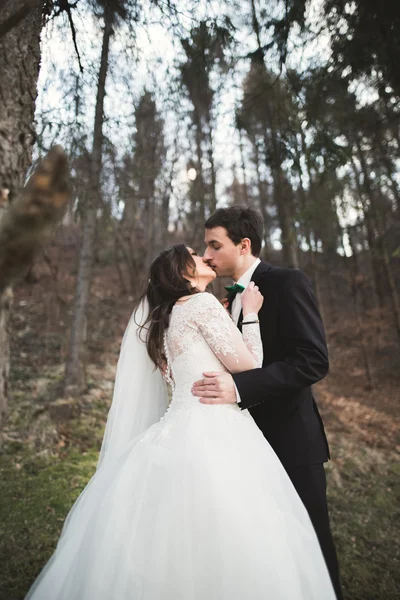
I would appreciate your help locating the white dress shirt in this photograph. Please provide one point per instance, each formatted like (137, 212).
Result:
(244, 281)
(237, 303)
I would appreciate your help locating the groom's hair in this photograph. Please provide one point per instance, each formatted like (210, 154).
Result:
(240, 222)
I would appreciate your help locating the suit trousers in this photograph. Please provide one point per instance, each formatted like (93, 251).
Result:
(310, 484)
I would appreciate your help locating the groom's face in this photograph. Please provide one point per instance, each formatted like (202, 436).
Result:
(221, 253)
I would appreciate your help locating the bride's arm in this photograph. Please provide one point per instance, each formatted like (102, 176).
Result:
(252, 337)
(236, 353)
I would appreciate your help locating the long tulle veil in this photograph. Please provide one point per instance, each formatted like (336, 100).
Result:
(140, 395)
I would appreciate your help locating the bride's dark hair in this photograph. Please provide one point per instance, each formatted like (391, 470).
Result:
(167, 283)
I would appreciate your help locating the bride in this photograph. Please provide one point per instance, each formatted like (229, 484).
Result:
(188, 502)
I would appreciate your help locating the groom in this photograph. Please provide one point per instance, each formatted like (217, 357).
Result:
(278, 395)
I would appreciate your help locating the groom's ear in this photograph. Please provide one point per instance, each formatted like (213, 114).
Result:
(245, 246)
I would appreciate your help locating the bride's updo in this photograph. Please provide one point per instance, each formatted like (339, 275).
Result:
(167, 283)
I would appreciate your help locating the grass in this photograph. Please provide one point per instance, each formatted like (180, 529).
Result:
(38, 490)
(43, 468)
(364, 505)
(35, 496)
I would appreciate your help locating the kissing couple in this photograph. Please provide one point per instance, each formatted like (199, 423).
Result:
(220, 494)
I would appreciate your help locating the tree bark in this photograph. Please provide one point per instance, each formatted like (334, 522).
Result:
(287, 234)
(262, 199)
(243, 167)
(312, 250)
(354, 276)
(6, 298)
(213, 184)
(75, 371)
(394, 301)
(282, 203)
(375, 262)
(19, 69)
(305, 200)
(199, 198)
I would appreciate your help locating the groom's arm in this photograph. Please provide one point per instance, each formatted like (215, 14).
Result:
(305, 358)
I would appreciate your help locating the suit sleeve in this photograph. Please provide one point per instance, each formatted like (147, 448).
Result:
(305, 353)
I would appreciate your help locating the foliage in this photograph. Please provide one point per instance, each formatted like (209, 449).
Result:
(365, 35)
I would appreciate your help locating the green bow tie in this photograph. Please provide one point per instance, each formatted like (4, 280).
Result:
(236, 288)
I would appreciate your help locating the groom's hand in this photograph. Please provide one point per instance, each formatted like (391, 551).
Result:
(215, 388)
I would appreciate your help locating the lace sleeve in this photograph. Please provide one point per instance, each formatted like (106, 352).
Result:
(224, 338)
(252, 337)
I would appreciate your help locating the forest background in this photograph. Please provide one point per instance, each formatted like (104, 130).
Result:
(166, 110)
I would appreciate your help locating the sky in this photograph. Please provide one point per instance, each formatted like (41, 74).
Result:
(142, 57)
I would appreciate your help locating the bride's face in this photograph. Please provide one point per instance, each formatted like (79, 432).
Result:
(203, 274)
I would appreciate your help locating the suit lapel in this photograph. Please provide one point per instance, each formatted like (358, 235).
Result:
(262, 268)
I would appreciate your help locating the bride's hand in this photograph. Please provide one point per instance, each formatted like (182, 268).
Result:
(252, 299)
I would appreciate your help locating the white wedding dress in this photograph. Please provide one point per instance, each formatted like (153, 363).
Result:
(198, 507)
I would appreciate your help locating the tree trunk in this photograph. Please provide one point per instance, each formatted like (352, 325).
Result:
(390, 176)
(199, 200)
(373, 251)
(213, 195)
(262, 200)
(165, 209)
(75, 369)
(381, 232)
(354, 276)
(382, 160)
(19, 69)
(243, 167)
(150, 219)
(311, 200)
(287, 234)
(391, 117)
(284, 211)
(361, 288)
(376, 265)
(306, 220)
(281, 199)
(5, 309)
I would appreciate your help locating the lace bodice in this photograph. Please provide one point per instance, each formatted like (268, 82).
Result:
(202, 337)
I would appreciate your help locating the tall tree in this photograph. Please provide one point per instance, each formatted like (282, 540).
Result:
(144, 213)
(334, 111)
(264, 114)
(205, 50)
(75, 370)
(266, 91)
(20, 27)
(19, 69)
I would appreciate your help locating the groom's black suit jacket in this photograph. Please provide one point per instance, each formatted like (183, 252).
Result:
(279, 395)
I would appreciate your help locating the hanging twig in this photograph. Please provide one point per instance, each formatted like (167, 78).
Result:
(65, 6)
